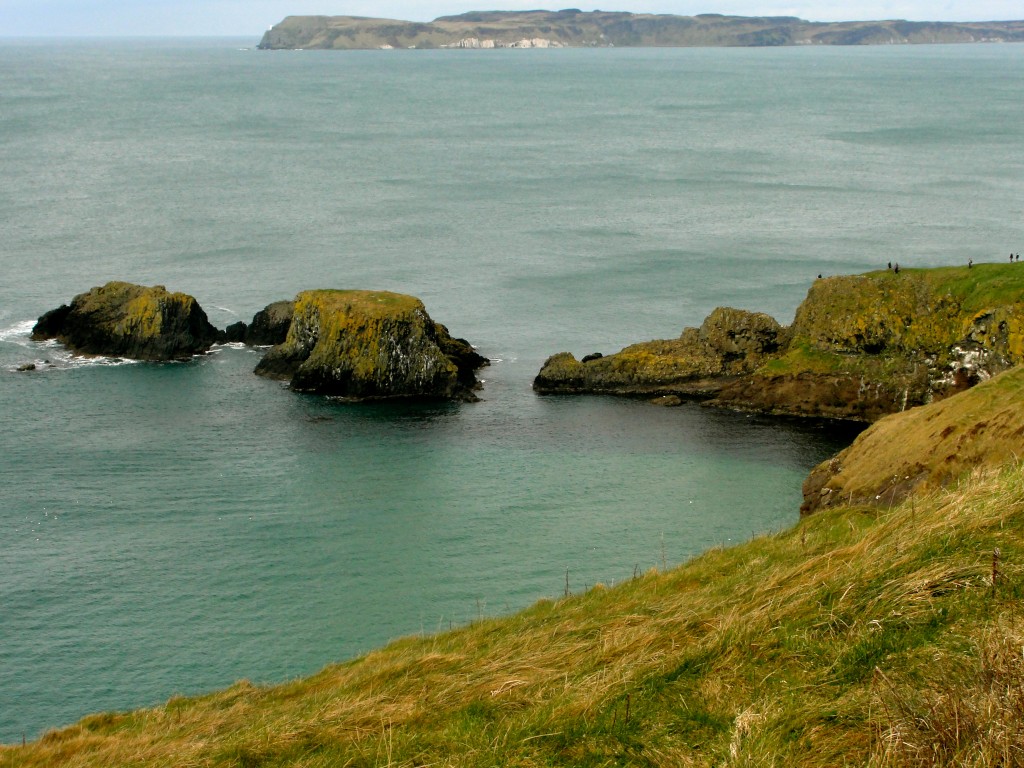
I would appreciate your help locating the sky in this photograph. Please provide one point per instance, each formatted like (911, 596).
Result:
(35, 18)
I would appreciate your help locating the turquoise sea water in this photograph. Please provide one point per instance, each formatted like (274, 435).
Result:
(173, 528)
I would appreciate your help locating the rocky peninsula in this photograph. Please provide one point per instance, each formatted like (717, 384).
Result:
(860, 347)
(603, 29)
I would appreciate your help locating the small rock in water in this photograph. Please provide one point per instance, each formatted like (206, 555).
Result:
(27, 367)
(667, 401)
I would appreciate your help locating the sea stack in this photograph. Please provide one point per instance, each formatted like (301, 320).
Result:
(371, 345)
(132, 321)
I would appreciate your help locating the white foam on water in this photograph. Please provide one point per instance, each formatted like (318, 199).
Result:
(19, 333)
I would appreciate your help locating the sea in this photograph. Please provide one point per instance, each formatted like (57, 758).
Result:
(169, 529)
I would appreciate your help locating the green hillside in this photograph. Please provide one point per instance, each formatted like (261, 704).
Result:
(867, 635)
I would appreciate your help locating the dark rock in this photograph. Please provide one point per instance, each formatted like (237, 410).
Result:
(367, 345)
(235, 333)
(125, 320)
(49, 326)
(27, 367)
(269, 326)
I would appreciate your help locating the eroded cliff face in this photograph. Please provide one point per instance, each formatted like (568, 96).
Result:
(132, 321)
(371, 345)
(860, 347)
(924, 448)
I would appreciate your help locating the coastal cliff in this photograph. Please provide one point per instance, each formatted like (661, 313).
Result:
(367, 345)
(860, 346)
(604, 29)
(925, 448)
(125, 320)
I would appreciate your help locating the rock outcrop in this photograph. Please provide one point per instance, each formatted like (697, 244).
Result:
(269, 326)
(729, 343)
(132, 321)
(860, 347)
(368, 345)
(924, 448)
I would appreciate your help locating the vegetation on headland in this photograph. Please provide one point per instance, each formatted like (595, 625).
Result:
(873, 634)
(860, 346)
(574, 28)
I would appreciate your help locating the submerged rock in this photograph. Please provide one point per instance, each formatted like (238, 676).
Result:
(133, 321)
(368, 345)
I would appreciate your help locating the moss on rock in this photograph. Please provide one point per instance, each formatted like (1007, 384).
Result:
(125, 320)
(371, 345)
(860, 346)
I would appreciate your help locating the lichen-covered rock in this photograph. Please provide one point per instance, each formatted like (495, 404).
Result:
(860, 347)
(730, 342)
(367, 345)
(133, 321)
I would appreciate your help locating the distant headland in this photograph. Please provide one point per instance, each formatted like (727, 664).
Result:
(604, 29)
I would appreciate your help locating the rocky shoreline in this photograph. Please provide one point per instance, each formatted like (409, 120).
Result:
(860, 347)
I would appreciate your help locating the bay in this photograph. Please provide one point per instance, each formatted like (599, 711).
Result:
(173, 528)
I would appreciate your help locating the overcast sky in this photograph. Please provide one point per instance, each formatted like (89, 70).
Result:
(251, 17)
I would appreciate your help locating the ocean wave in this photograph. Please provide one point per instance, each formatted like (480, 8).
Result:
(228, 345)
(18, 333)
(60, 359)
(50, 354)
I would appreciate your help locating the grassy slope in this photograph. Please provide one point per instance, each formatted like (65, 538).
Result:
(860, 636)
(937, 443)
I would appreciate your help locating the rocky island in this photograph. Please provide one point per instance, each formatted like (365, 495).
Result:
(357, 345)
(371, 345)
(860, 347)
(132, 321)
(577, 29)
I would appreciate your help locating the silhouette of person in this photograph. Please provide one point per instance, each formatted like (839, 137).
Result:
(896, 269)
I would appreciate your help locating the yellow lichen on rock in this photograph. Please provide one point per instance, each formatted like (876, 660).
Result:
(127, 320)
(370, 345)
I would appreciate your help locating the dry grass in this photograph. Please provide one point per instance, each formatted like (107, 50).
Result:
(860, 636)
